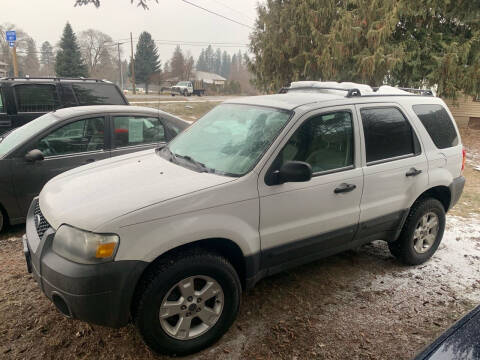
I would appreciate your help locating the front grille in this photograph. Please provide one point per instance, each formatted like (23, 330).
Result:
(41, 224)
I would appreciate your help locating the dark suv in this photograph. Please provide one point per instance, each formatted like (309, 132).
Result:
(24, 99)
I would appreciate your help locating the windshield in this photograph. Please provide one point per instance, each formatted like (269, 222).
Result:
(183, 83)
(230, 139)
(16, 137)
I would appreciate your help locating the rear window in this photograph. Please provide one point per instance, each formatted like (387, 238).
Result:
(36, 97)
(438, 124)
(97, 94)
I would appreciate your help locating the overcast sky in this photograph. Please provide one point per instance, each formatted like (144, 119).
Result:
(171, 20)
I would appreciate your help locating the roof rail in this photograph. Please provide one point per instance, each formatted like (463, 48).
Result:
(52, 78)
(421, 91)
(350, 92)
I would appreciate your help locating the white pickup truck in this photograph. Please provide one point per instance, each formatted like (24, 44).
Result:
(187, 88)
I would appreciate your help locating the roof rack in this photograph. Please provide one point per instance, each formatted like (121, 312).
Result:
(421, 91)
(350, 92)
(52, 78)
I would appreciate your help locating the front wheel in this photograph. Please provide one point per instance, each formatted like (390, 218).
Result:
(422, 233)
(187, 303)
(3, 221)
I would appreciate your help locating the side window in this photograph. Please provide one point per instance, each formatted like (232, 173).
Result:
(438, 124)
(97, 94)
(387, 134)
(79, 136)
(137, 130)
(324, 141)
(2, 108)
(36, 97)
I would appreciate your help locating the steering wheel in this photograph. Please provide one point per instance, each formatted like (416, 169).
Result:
(51, 150)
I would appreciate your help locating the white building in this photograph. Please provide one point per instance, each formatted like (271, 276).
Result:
(210, 78)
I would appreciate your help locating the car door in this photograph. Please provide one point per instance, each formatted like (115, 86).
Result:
(79, 142)
(395, 169)
(305, 220)
(131, 133)
(4, 120)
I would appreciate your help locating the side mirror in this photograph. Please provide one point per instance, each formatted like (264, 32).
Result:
(34, 155)
(291, 171)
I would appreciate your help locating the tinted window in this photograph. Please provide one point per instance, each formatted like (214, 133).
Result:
(387, 134)
(68, 98)
(36, 98)
(97, 94)
(2, 109)
(79, 136)
(137, 130)
(438, 124)
(325, 142)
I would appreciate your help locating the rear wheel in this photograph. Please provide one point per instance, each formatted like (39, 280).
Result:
(422, 233)
(3, 220)
(187, 303)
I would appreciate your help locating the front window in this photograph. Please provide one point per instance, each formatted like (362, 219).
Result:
(230, 139)
(183, 83)
(19, 135)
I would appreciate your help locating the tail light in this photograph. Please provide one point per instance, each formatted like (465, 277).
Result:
(464, 158)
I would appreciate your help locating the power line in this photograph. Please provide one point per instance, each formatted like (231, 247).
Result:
(237, 11)
(217, 14)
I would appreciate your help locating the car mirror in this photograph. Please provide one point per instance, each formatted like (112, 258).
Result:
(294, 171)
(34, 155)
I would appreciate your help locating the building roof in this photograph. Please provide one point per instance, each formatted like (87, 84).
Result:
(207, 77)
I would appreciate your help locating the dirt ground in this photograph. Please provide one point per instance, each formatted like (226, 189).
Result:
(360, 304)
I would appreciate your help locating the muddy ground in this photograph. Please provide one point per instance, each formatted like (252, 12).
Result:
(360, 304)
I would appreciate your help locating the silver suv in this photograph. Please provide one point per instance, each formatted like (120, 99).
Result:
(171, 237)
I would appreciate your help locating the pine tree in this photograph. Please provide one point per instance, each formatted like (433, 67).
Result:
(201, 62)
(226, 63)
(217, 61)
(177, 64)
(69, 62)
(146, 59)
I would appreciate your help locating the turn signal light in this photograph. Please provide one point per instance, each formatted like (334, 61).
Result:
(105, 250)
(464, 158)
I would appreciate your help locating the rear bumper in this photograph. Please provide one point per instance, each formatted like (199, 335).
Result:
(100, 293)
(456, 189)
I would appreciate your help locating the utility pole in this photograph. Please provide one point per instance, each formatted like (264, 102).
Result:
(14, 58)
(120, 65)
(132, 64)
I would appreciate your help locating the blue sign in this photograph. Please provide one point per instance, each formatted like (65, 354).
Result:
(11, 35)
(11, 44)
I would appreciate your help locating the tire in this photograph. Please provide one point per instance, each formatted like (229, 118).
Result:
(162, 283)
(418, 239)
(3, 220)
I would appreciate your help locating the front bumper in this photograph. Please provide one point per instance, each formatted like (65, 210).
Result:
(100, 293)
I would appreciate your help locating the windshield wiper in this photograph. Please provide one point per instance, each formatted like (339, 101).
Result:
(202, 167)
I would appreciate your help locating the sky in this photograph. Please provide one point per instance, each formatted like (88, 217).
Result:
(170, 21)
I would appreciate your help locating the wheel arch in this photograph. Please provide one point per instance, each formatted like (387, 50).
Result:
(441, 193)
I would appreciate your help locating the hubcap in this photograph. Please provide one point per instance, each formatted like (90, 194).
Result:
(191, 307)
(425, 232)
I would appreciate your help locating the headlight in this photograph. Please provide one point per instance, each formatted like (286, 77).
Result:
(84, 247)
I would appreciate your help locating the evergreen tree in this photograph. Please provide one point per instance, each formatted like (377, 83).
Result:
(177, 64)
(31, 64)
(201, 62)
(146, 59)
(46, 56)
(69, 62)
(217, 62)
(226, 63)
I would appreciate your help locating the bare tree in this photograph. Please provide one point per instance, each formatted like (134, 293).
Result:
(142, 3)
(98, 50)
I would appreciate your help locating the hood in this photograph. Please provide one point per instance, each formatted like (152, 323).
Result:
(92, 195)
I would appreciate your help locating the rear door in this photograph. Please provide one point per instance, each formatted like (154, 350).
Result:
(4, 121)
(395, 169)
(131, 133)
(77, 143)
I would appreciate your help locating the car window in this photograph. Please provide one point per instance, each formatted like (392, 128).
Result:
(324, 141)
(137, 130)
(2, 109)
(76, 137)
(387, 134)
(97, 94)
(36, 97)
(438, 124)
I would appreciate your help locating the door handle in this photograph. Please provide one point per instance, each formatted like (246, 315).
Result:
(88, 161)
(343, 188)
(413, 172)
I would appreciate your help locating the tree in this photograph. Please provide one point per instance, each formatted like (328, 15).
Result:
(146, 59)
(98, 50)
(189, 63)
(47, 59)
(6, 52)
(226, 64)
(177, 64)
(30, 63)
(422, 43)
(142, 3)
(69, 62)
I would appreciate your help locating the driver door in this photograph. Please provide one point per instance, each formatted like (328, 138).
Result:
(77, 143)
(301, 221)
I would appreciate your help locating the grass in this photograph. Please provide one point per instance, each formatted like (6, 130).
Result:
(186, 111)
